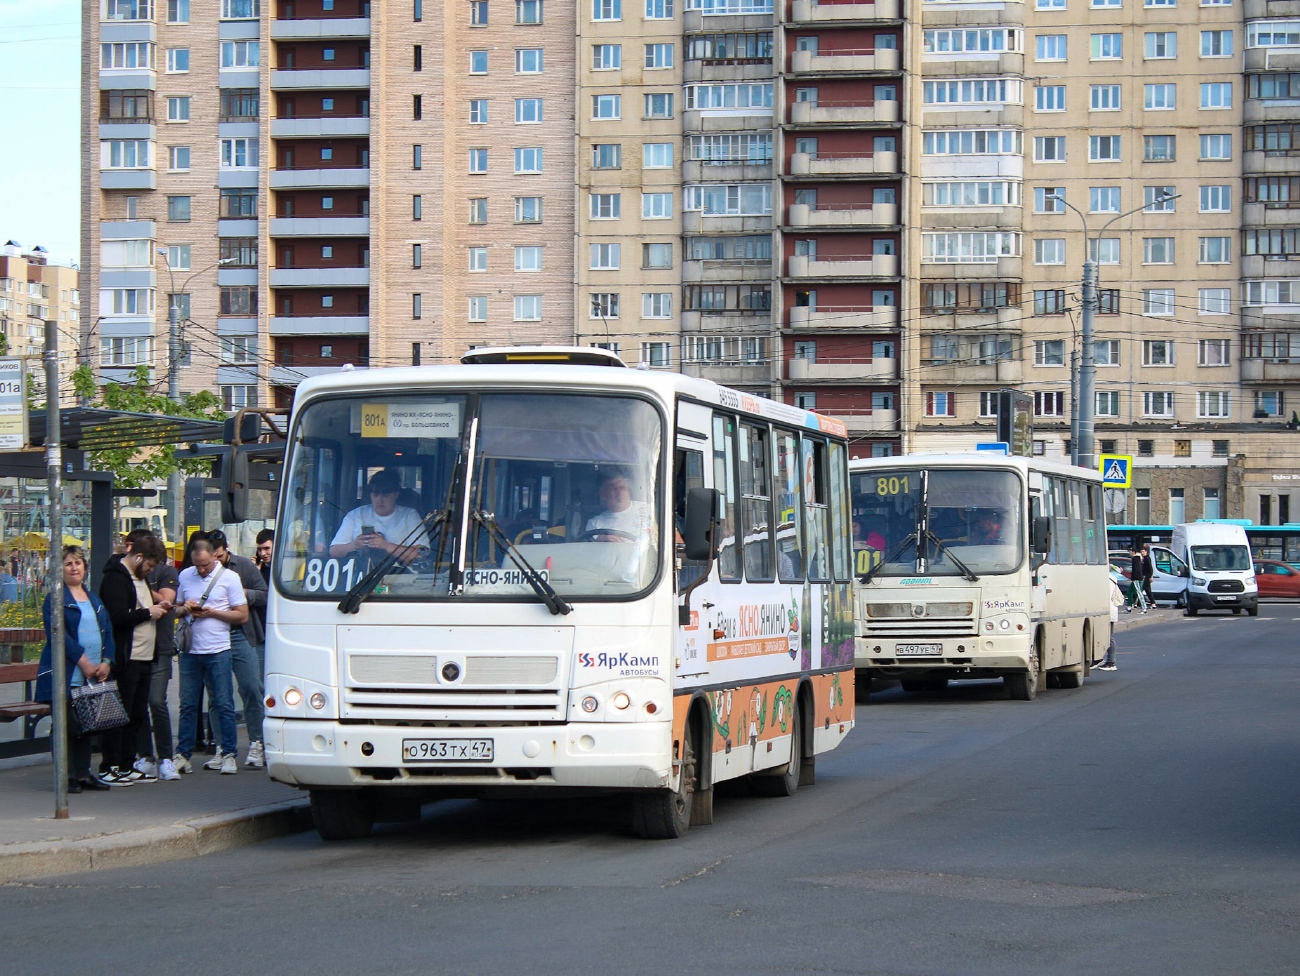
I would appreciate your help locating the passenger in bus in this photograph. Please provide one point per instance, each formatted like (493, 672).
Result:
(383, 524)
(864, 538)
(626, 519)
(987, 530)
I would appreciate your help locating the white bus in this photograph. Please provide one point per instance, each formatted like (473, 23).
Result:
(978, 566)
(542, 571)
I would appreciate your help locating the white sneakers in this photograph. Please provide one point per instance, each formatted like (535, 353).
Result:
(146, 768)
(229, 764)
(167, 770)
(181, 765)
(215, 762)
(256, 755)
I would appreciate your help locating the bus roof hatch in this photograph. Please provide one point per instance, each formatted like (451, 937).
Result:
(542, 355)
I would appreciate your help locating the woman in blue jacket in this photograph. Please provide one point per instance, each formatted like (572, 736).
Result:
(88, 647)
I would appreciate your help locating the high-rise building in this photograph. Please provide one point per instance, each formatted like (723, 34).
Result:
(32, 292)
(879, 210)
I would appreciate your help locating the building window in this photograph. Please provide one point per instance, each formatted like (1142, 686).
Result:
(1049, 149)
(178, 11)
(1049, 403)
(607, 155)
(805, 401)
(606, 57)
(1219, 449)
(941, 404)
(656, 305)
(1104, 148)
(178, 257)
(417, 256)
(238, 299)
(238, 203)
(417, 157)
(1216, 94)
(1104, 250)
(1108, 304)
(528, 160)
(1049, 352)
(178, 158)
(239, 153)
(241, 252)
(1157, 403)
(1105, 98)
(1216, 44)
(238, 350)
(657, 155)
(656, 355)
(657, 256)
(478, 259)
(528, 12)
(1107, 403)
(1049, 250)
(1217, 146)
(1050, 47)
(528, 258)
(238, 397)
(478, 62)
(478, 13)
(240, 9)
(1107, 47)
(126, 351)
(1157, 352)
(659, 105)
(1160, 45)
(528, 111)
(1105, 352)
(1268, 403)
(478, 210)
(178, 108)
(477, 308)
(478, 161)
(1213, 404)
(1215, 250)
(240, 54)
(605, 257)
(658, 56)
(656, 206)
(417, 107)
(604, 305)
(417, 305)
(606, 206)
(478, 111)
(529, 61)
(1215, 301)
(1049, 199)
(1050, 301)
(1210, 503)
(1159, 97)
(417, 207)
(658, 9)
(528, 210)
(1103, 199)
(606, 106)
(178, 60)
(1177, 506)
(178, 209)
(1158, 149)
(528, 308)
(129, 55)
(1157, 301)
(606, 9)
(1157, 250)
(967, 248)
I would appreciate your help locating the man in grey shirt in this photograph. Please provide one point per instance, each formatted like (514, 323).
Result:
(246, 647)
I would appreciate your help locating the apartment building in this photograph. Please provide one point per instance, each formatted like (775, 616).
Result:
(878, 210)
(32, 292)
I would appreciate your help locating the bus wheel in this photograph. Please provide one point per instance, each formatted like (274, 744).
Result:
(861, 686)
(1023, 685)
(342, 814)
(786, 782)
(1074, 679)
(666, 814)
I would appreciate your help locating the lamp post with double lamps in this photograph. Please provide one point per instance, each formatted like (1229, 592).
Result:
(1086, 408)
(174, 370)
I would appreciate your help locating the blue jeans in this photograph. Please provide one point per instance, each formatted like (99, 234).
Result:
(246, 664)
(214, 671)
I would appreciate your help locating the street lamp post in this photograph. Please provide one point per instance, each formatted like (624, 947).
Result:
(174, 372)
(1082, 453)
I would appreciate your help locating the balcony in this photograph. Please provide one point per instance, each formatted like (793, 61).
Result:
(811, 12)
(843, 113)
(128, 179)
(320, 325)
(287, 179)
(1271, 317)
(1257, 162)
(1270, 110)
(1272, 59)
(847, 62)
(293, 375)
(1264, 371)
(950, 65)
(1002, 268)
(755, 322)
(843, 216)
(284, 79)
(973, 167)
(837, 318)
(320, 277)
(843, 163)
(1008, 318)
(1259, 9)
(731, 374)
(1008, 217)
(803, 371)
(695, 222)
(870, 422)
(843, 266)
(320, 226)
(732, 17)
(728, 70)
(1279, 214)
(1259, 266)
(320, 28)
(737, 120)
(940, 371)
(319, 128)
(757, 269)
(725, 171)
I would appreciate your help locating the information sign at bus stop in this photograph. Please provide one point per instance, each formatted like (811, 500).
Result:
(13, 405)
(1116, 470)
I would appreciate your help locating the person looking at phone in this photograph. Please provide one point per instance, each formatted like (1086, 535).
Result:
(383, 524)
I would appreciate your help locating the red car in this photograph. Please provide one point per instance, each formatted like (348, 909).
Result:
(1277, 578)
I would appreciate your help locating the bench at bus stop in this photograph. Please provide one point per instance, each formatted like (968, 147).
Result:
(27, 711)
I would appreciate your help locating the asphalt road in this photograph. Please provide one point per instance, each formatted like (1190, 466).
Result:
(1146, 823)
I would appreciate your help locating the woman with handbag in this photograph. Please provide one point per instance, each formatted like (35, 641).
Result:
(88, 647)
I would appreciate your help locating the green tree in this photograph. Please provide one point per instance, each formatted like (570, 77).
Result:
(136, 467)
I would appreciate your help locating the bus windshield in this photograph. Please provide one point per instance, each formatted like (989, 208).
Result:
(451, 493)
(1216, 559)
(975, 516)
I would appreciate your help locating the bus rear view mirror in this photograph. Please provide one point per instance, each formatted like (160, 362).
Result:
(698, 535)
(234, 487)
(1041, 542)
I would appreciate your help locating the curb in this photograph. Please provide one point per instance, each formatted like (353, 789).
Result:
(154, 845)
(1128, 621)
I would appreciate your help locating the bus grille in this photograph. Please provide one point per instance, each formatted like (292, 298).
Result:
(929, 619)
(492, 687)
(1225, 586)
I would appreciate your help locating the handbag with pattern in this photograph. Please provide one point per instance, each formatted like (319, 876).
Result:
(97, 708)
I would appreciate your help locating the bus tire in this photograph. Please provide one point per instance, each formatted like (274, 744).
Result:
(861, 686)
(342, 814)
(1074, 679)
(1023, 685)
(668, 814)
(786, 782)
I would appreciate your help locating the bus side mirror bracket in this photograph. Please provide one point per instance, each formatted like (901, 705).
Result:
(699, 540)
(234, 477)
(1041, 538)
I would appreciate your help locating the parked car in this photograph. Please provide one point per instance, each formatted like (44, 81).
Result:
(1168, 580)
(1276, 578)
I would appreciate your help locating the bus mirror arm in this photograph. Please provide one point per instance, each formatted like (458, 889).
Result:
(1041, 539)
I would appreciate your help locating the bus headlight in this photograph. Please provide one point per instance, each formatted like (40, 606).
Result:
(988, 626)
(1005, 624)
(317, 701)
(620, 701)
(590, 703)
(293, 697)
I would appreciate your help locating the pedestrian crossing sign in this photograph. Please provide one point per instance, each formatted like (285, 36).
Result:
(1116, 470)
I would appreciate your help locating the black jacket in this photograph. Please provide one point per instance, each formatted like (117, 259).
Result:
(117, 591)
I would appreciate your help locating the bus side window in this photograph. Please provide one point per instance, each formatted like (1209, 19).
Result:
(1060, 522)
(1078, 554)
(1094, 526)
(789, 508)
(816, 505)
(841, 531)
(688, 473)
(756, 502)
(724, 480)
(1049, 511)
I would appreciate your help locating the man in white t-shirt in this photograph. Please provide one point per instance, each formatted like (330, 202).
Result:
(628, 520)
(213, 598)
(383, 524)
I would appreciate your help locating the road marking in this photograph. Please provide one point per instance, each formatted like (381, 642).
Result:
(1007, 891)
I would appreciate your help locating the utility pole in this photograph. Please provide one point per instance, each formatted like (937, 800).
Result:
(1087, 369)
(54, 573)
(1074, 405)
(174, 394)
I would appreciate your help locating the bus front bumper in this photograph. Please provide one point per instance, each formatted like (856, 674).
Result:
(310, 753)
(967, 654)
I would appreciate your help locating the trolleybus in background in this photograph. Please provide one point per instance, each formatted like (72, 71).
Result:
(541, 571)
(978, 567)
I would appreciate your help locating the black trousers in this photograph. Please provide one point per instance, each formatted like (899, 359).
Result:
(133, 679)
(79, 748)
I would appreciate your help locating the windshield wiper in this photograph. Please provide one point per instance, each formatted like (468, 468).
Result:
(352, 600)
(545, 592)
(888, 557)
(945, 551)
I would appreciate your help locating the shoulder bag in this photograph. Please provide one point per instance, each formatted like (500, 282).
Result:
(96, 708)
(185, 626)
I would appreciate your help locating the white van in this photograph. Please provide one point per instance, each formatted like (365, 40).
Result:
(1221, 573)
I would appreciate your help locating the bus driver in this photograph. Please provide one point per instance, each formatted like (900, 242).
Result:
(627, 520)
(383, 524)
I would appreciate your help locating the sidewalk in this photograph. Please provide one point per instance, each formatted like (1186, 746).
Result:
(145, 823)
(1156, 615)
